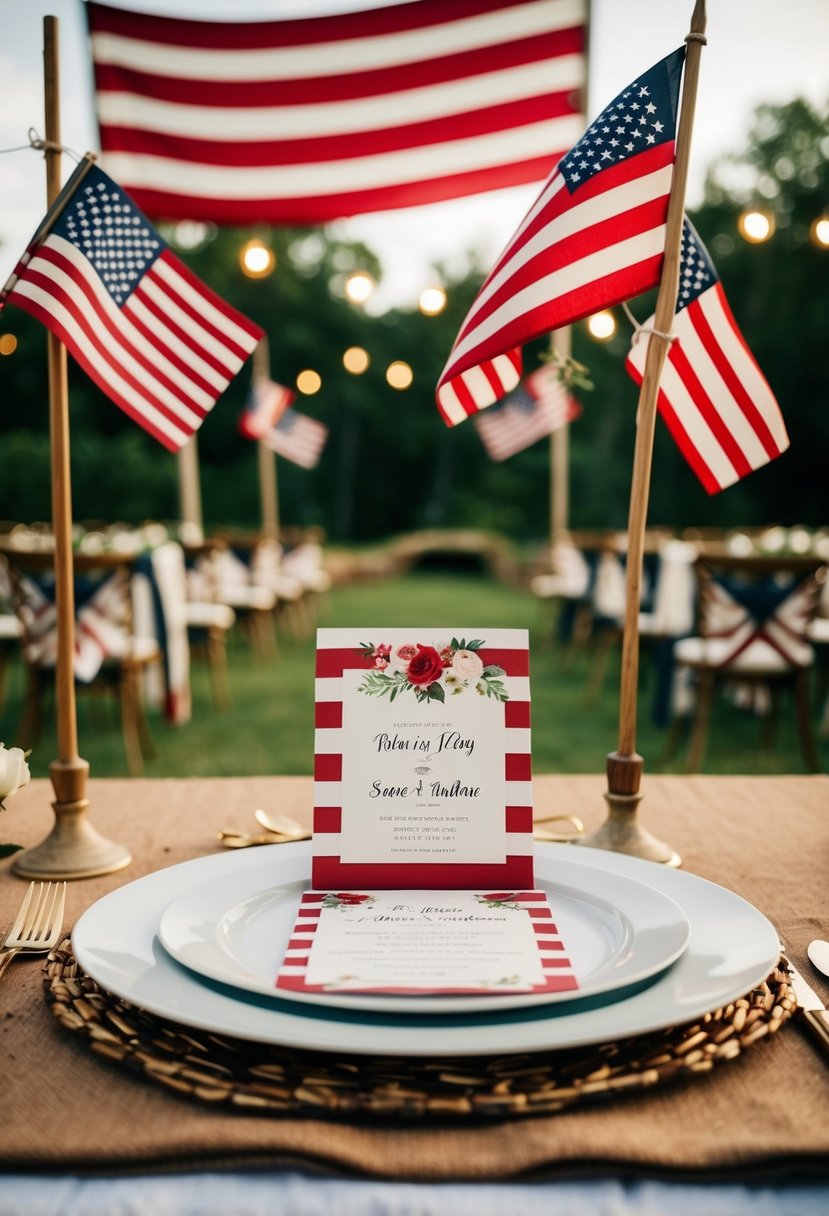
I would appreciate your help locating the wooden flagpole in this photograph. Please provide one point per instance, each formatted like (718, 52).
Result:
(622, 832)
(560, 455)
(73, 849)
(268, 488)
(189, 488)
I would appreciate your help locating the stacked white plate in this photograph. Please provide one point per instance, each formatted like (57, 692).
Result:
(201, 943)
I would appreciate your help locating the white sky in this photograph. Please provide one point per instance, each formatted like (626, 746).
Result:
(758, 50)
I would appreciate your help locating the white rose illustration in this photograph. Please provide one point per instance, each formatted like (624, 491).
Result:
(467, 665)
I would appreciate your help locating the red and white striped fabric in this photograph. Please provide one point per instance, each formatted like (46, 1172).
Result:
(159, 342)
(712, 395)
(100, 627)
(343, 803)
(557, 969)
(594, 237)
(308, 120)
(739, 629)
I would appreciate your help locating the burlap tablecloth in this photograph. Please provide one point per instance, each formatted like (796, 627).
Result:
(764, 1115)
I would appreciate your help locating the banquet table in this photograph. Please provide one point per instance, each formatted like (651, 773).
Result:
(78, 1133)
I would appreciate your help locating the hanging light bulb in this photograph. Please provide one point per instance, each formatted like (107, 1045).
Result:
(356, 360)
(359, 286)
(432, 301)
(309, 382)
(756, 225)
(601, 326)
(257, 259)
(399, 375)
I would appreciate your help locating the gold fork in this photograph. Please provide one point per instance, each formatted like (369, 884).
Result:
(39, 921)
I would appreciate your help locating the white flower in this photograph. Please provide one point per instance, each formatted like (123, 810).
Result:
(14, 771)
(467, 664)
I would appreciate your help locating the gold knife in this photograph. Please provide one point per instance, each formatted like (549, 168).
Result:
(810, 1007)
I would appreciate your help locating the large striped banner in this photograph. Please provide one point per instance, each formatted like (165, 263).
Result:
(307, 120)
(422, 769)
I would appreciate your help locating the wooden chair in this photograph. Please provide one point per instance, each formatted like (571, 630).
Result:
(109, 659)
(753, 632)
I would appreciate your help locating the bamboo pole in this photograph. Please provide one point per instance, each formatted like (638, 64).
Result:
(268, 487)
(560, 456)
(189, 488)
(73, 849)
(624, 766)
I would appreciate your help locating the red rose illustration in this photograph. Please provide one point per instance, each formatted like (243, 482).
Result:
(501, 895)
(425, 667)
(346, 898)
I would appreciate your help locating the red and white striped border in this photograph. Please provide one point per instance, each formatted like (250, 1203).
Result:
(559, 975)
(339, 650)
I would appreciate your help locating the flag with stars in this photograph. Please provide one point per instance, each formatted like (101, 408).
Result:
(266, 404)
(712, 395)
(539, 406)
(152, 336)
(595, 236)
(298, 438)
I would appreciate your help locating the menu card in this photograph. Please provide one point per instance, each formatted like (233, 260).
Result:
(422, 772)
(426, 942)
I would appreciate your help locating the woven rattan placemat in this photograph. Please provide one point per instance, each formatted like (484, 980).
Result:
(236, 1073)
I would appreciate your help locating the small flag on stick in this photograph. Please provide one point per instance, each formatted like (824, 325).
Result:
(159, 342)
(594, 237)
(530, 412)
(266, 404)
(713, 396)
(298, 438)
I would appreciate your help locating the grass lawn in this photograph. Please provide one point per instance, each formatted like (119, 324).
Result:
(270, 726)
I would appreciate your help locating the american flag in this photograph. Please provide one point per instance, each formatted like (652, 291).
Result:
(530, 412)
(152, 336)
(595, 236)
(268, 401)
(298, 438)
(307, 120)
(712, 395)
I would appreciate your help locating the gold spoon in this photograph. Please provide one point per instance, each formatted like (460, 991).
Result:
(559, 837)
(241, 840)
(281, 825)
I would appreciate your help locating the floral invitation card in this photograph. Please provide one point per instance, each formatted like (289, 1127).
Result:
(426, 942)
(422, 760)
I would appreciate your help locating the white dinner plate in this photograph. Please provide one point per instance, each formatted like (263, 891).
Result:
(616, 932)
(732, 948)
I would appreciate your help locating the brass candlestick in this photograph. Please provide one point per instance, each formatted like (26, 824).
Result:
(73, 848)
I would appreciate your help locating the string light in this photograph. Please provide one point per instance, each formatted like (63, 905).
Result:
(601, 326)
(356, 360)
(257, 259)
(309, 382)
(756, 225)
(432, 301)
(8, 344)
(399, 375)
(359, 286)
(819, 232)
